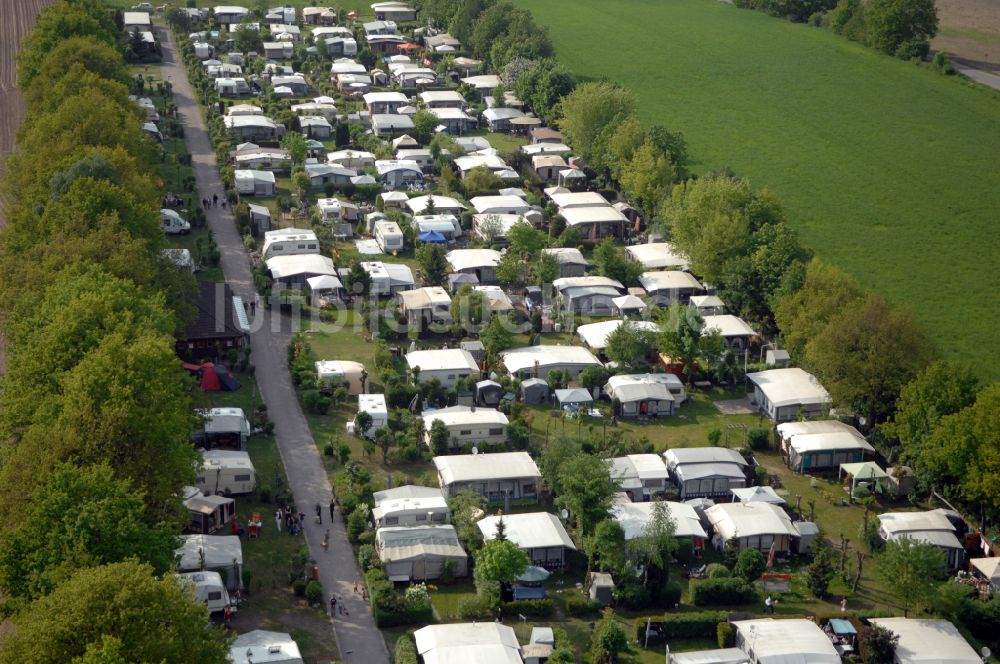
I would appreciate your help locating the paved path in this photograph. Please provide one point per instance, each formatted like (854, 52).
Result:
(978, 75)
(357, 637)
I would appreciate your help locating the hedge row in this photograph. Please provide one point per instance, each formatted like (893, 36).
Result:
(391, 608)
(406, 650)
(731, 591)
(688, 625)
(541, 608)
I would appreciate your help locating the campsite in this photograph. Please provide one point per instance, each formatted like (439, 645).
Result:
(416, 333)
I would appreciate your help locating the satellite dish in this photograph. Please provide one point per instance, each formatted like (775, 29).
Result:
(985, 652)
(565, 514)
(475, 450)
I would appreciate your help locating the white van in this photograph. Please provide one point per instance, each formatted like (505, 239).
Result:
(208, 588)
(173, 223)
(226, 472)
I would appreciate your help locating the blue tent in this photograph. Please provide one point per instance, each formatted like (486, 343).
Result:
(432, 237)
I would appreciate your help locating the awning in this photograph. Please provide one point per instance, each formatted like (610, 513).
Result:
(432, 237)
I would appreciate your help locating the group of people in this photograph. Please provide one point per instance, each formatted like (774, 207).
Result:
(213, 202)
(294, 523)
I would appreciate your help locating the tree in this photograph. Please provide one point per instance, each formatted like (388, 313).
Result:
(646, 178)
(607, 548)
(630, 344)
(154, 619)
(590, 114)
(466, 510)
(586, 490)
(385, 439)
(440, 438)
(74, 57)
(750, 564)
(58, 23)
(593, 378)
(543, 86)
(911, 568)
(490, 228)
(682, 338)
(480, 180)
(362, 423)
(358, 279)
(671, 143)
(81, 517)
(469, 308)
(497, 337)
(821, 570)
(544, 270)
(498, 564)
(877, 644)
(825, 292)
(433, 265)
(554, 455)
(424, 124)
(657, 545)
(610, 261)
(609, 639)
(901, 27)
(943, 388)
(867, 353)
(295, 143)
(246, 39)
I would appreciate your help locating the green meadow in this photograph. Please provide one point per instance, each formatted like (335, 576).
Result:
(889, 170)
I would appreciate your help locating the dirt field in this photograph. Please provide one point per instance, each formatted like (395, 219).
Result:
(16, 19)
(970, 31)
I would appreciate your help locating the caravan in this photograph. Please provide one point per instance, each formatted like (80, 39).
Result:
(209, 588)
(173, 223)
(225, 472)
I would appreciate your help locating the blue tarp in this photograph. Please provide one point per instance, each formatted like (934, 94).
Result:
(841, 626)
(432, 237)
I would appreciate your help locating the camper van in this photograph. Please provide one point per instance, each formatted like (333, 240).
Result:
(388, 236)
(208, 588)
(226, 472)
(173, 223)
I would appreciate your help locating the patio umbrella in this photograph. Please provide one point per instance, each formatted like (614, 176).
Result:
(533, 574)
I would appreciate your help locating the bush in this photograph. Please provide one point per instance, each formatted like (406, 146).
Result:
(264, 493)
(580, 606)
(725, 636)
(541, 608)
(759, 439)
(391, 608)
(631, 594)
(717, 571)
(685, 552)
(722, 592)
(314, 592)
(357, 522)
(475, 608)
(368, 558)
(299, 587)
(750, 564)
(670, 594)
(328, 450)
(406, 650)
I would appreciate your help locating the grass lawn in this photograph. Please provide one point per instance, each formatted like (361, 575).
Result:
(887, 169)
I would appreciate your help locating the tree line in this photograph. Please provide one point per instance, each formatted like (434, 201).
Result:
(96, 412)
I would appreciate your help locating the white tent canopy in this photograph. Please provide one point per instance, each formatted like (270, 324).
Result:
(928, 642)
(758, 494)
(795, 641)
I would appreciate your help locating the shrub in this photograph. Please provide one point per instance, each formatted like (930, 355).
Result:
(691, 625)
(725, 636)
(314, 592)
(406, 650)
(580, 606)
(541, 608)
(391, 608)
(632, 594)
(759, 439)
(368, 558)
(750, 564)
(685, 552)
(722, 592)
(717, 571)
(264, 493)
(328, 450)
(299, 587)
(475, 607)
(357, 522)
(670, 594)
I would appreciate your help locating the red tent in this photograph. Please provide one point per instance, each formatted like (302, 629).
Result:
(209, 379)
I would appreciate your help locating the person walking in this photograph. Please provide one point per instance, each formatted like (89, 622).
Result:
(769, 605)
(215, 200)
(319, 513)
(278, 519)
(333, 505)
(843, 604)
(333, 606)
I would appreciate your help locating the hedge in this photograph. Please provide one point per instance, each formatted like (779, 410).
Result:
(579, 606)
(474, 608)
(687, 625)
(391, 608)
(726, 635)
(730, 591)
(406, 650)
(541, 608)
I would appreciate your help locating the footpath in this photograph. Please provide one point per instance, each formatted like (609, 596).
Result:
(357, 637)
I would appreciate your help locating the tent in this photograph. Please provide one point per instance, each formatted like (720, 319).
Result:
(574, 396)
(432, 237)
(759, 494)
(534, 391)
(989, 568)
(868, 471)
(628, 303)
(214, 377)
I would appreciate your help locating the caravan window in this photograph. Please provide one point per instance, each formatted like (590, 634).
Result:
(465, 432)
(392, 520)
(214, 595)
(497, 431)
(421, 517)
(241, 478)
